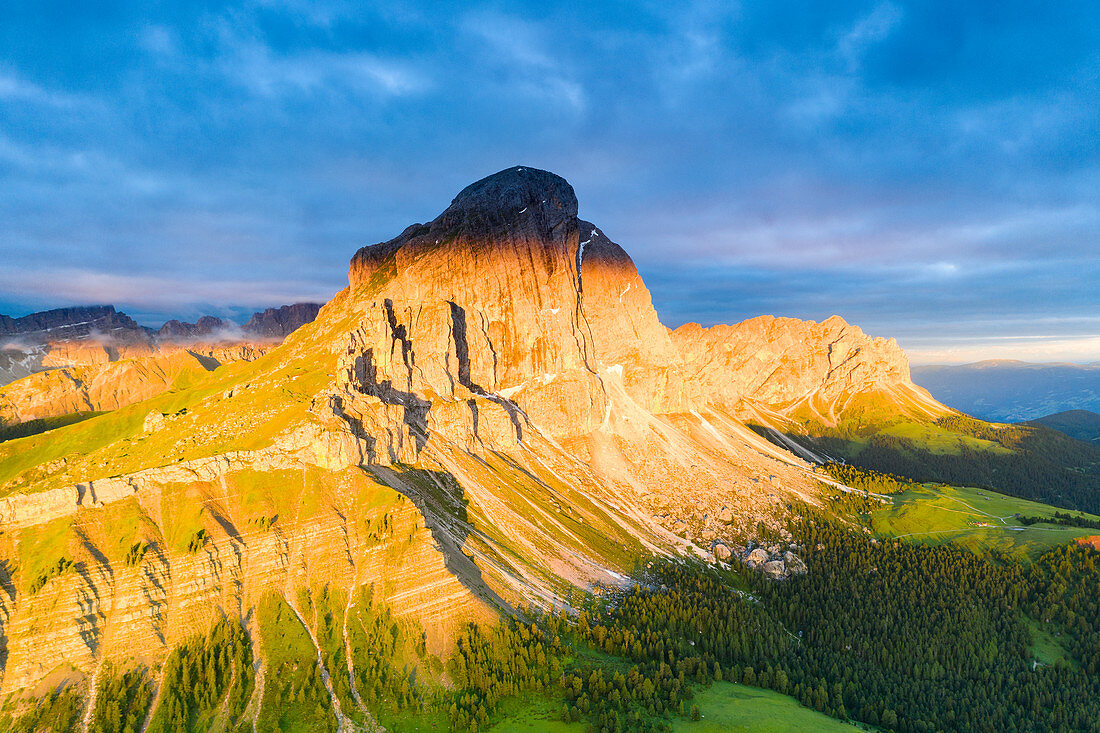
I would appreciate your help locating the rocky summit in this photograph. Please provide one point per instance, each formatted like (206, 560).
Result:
(490, 416)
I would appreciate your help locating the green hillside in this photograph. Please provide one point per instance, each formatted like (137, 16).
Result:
(1028, 461)
(1078, 424)
(979, 519)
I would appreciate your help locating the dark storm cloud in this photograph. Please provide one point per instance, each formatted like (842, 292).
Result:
(928, 170)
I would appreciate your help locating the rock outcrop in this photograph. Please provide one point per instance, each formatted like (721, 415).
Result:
(201, 329)
(774, 564)
(490, 415)
(278, 323)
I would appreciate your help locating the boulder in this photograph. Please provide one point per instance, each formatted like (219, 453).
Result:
(154, 421)
(775, 569)
(794, 563)
(757, 558)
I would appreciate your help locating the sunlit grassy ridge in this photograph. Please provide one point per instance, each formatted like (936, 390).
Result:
(239, 406)
(937, 440)
(1031, 462)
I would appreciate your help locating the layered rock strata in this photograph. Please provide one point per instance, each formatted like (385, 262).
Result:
(490, 415)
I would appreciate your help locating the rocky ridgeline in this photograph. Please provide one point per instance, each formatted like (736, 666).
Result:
(77, 359)
(63, 324)
(278, 323)
(787, 364)
(273, 324)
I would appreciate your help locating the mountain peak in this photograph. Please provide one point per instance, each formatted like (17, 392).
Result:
(518, 199)
(516, 205)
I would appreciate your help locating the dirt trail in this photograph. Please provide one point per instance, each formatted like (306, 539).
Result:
(93, 693)
(156, 697)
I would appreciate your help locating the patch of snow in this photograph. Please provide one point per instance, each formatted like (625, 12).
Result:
(580, 253)
(69, 325)
(507, 392)
(616, 369)
(628, 286)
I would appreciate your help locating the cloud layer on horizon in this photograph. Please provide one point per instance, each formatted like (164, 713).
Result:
(927, 170)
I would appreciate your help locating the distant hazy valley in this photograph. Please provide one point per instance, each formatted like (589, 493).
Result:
(1013, 391)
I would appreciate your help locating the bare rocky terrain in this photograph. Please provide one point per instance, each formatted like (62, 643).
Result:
(490, 415)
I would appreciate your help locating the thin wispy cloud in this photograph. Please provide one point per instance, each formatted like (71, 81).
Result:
(150, 292)
(868, 30)
(516, 52)
(14, 89)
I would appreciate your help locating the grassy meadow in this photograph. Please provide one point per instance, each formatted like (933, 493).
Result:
(976, 518)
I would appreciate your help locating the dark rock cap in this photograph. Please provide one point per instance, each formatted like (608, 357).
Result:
(517, 204)
(514, 196)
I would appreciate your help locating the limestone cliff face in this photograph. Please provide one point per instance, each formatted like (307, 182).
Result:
(490, 415)
(507, 299)
(105, 607)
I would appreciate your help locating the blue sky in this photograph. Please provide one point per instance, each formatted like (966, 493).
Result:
(928, 170)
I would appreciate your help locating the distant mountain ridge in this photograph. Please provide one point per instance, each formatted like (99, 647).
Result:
(97, 358)
(271, 323)
(81, 322)
(281, 322)
(1013, 391)
(69, 323)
